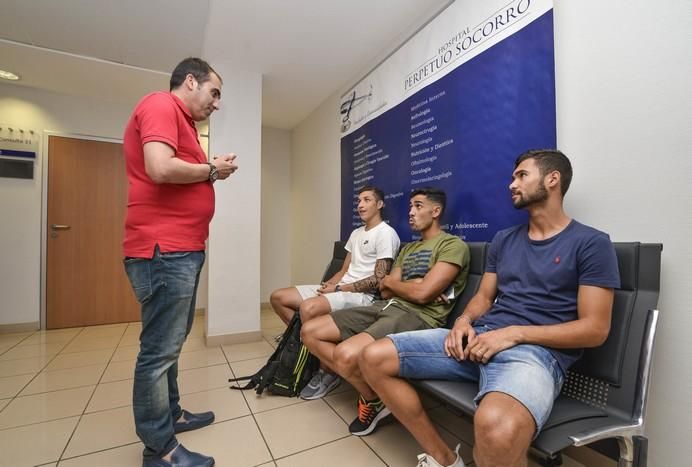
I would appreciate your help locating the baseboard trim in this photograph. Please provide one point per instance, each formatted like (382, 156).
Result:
(236, 338)
(19, 327)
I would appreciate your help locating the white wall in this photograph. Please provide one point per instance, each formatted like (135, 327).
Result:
(234, 233)
(624, 113)
(315, 192)
(20, 200)
(276, 211)
(624, 116)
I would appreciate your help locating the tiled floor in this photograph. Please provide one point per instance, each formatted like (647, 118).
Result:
(65, 399)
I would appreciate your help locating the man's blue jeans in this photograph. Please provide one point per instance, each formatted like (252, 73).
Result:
(166, 287)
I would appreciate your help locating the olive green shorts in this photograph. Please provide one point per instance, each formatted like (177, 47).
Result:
(378, 320)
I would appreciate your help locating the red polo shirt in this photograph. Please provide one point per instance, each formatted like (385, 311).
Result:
(176, 217)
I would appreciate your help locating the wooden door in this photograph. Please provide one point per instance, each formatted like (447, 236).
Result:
(87, 196)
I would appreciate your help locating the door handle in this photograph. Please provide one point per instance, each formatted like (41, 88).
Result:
(59, 227)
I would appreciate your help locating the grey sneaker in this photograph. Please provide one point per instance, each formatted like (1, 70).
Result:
(320, 385)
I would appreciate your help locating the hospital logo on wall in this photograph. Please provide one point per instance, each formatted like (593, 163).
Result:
(350, 102)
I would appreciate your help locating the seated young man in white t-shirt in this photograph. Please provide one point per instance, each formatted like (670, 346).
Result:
(371, 249)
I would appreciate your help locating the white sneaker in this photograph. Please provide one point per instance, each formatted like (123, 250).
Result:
(426, 460)
(320, 385)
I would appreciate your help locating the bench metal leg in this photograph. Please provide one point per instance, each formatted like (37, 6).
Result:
(633, 451)
(552, 461)
(641, 451)
(626, 447)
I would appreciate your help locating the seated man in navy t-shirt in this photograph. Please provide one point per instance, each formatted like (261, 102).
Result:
(547, 293)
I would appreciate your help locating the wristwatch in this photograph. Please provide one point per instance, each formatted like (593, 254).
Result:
(213, 172)
(337, 288)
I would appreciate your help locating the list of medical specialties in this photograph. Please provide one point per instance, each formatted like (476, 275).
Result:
(401, 152)
(460, 134)
(428, 141)
(367, 156)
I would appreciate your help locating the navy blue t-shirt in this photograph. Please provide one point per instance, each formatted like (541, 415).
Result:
(538, 280)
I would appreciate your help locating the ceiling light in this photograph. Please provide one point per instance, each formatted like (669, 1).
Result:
(8, 75)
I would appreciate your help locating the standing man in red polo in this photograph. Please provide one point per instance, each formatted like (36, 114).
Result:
(170, 204)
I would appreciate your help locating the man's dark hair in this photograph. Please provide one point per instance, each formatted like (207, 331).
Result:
(435, 195)
(379, 194)
(549, 160)
(194, 66)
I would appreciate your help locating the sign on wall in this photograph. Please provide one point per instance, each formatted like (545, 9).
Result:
(18, 151)
(452, 109)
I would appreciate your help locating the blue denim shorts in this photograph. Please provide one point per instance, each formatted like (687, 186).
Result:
(528, 373)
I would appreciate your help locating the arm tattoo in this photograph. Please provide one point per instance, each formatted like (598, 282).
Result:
(371, 284)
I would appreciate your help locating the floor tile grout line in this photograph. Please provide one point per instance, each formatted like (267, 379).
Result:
(182, 394)
(35, 356)
(103, 410)
(63, 389)
(298, 401)
(326, 401)
(259, 429)
(275, 459)
(60, 389)
(40, 371)
(105, 348)
(136, 442)
(16, 395)
(254, 419)
(127, 379)
(110, 359)
(100, 382)
(38, 423)
(78, 366)
(97, 451)
(112, 447)
(359, 437)
(87, 403)
(18, 342)
(251, 412)
(326, 443)
(74, 430)
(444, 428)
(373, 449)
(27, 337)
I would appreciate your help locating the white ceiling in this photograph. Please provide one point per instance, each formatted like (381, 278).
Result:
(121, 49)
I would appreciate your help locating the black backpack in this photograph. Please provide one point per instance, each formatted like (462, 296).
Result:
(288, 370)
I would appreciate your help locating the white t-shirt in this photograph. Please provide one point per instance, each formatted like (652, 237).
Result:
(366, 247)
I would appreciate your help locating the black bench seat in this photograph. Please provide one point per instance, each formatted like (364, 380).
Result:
(604, 395)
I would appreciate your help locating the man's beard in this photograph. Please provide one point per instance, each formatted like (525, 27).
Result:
(538, 196)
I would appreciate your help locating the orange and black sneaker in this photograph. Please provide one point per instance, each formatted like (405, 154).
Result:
(369, 415)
